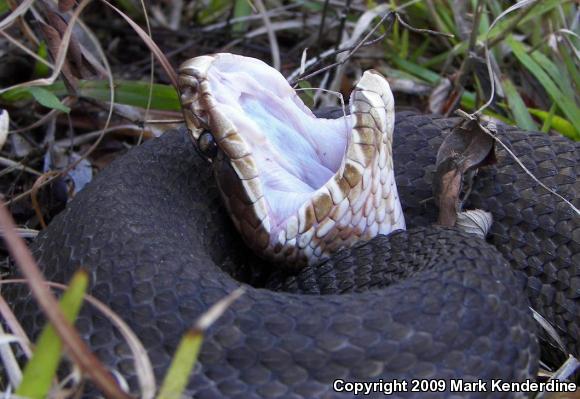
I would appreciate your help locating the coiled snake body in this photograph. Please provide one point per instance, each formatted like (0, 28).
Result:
(423, 304)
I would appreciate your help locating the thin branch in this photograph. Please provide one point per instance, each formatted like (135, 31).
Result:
(508, 29)
(467, 63)
(388, 15)
(419, 30)
(26, 49)
(362, 43)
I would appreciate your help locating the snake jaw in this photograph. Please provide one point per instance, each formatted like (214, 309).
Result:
(336, 187)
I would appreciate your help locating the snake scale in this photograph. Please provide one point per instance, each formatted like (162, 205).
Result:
(427, 303)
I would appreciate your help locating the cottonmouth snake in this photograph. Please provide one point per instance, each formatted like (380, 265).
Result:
(426, 303)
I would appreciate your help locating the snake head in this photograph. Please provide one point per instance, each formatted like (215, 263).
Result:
(296, 186)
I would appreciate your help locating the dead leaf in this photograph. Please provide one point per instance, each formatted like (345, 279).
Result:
(53, 40)
(476, 221)
(465, 149)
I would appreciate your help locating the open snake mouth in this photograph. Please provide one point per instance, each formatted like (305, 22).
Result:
(297, 187)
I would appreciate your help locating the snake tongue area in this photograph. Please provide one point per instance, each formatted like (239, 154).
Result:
(297, 187)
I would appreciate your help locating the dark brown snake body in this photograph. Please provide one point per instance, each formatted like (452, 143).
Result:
(428, 303)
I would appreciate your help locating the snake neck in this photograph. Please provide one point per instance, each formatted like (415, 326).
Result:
(298, 188)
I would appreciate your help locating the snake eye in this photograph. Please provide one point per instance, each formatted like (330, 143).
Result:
(207, 145)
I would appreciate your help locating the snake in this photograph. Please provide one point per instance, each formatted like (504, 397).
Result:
(327, 221)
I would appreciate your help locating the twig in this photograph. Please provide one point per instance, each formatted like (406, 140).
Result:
(14, 326)
(419, 30)
(15, 14)
(466, 65)
(388, 15)
(271, 35)
(9, 362)
(76, 347)
(13, 165)
(68, 101)
(502, 35)
(362, 43)
(26, 49)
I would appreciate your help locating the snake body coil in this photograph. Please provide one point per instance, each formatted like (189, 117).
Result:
(424, 304)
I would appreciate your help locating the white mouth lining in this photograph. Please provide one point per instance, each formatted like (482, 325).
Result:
(295, 152)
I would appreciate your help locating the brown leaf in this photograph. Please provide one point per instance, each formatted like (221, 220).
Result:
(53, 40)
(77, 61)
(65, 5)
(465, 149)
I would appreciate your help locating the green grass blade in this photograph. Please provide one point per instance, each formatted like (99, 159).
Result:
(416, 70)
(242, 8)
(185, 357)
(164, 97)
(307, 93)
(420, 50)
(214, 9)
(127, 92)
(557, 123)
(570, 64)
(568, 107)
(562, 80)
(547, 125)
(41, 70)
(404, 50)
(47, 99)
(517, 107)
(40, 370)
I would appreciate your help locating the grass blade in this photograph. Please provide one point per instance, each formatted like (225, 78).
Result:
(47, 99)
(242, 8)
(181, 365)
(556, 122)
(518, 108)
(415, 69)
(568, 107)
(561, 79)
(186, 355)
(127, 92)
(40, 370)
